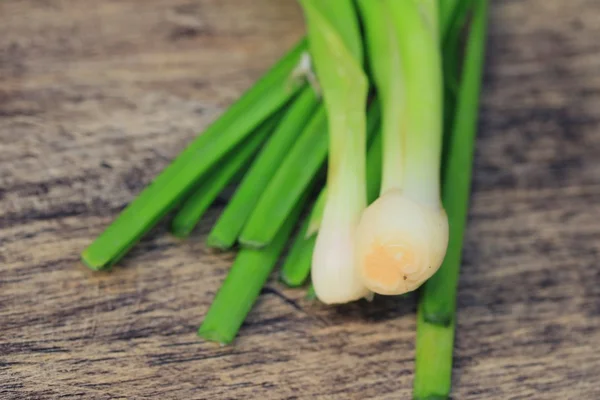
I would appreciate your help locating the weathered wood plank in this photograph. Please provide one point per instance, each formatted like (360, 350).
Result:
(97, 97)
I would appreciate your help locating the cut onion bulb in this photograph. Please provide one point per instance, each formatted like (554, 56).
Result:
(400, 243)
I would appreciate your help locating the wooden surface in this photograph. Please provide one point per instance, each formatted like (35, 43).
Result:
(97, 96)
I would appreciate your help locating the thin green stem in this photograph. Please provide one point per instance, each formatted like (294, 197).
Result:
(447, 8)
(196, 205)
(294, 175)
(247, 195)
(296, 267)
(433, 360)
(177, 181)
(452, 43)
(437, 308)
(243, 284)
(452, 56)
(374, 164)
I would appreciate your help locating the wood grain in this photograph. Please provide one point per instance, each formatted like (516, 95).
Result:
(97, 96)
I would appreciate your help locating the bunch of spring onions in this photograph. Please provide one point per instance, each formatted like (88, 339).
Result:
(382, 99)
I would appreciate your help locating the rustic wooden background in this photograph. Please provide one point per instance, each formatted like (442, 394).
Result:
(97, 96)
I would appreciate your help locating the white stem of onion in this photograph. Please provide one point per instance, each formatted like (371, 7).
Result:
(336, 53)
(402, 237)
(334, 275)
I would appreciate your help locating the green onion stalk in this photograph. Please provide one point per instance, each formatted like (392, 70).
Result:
(437, 307)
(373, 174)
(243, 284)
(295, 174)
(402, 236)
(336, 50)
(296, 268)
(174, 184)
(238, 211)
(196, 205)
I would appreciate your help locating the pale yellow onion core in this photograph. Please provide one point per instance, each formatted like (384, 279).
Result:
(400, 243)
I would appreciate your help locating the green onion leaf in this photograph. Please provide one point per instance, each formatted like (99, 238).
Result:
(437, 307)
(196, 205)
(242, 204)
(243, 284)
(167, 190)
(294, 175)
(296, 267)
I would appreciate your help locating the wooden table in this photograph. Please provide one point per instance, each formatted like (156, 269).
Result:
(97, 96)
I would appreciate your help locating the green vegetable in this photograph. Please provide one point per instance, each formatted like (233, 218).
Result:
(296, 268)
(242, 204)
(420, 59)
(196, 205)
(402, 237)
(374, 167)
(430, 11)
(452, 56)
(373, 122)
(452, 43)
(433, 360)
(447, 8)
(242, 286)
(437, 308)
(268, 95)
(336, 49)
(293, 176)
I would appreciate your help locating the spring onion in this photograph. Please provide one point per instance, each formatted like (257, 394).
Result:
(402, 236)
(230, 224)
(294, 175)
(437, 306)
(336, 48)
(452, 43)
(194, 207)
(373, 122)
(242, 285)
(379, 223)
(447, 9)
(296, 267)
(268, 95)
